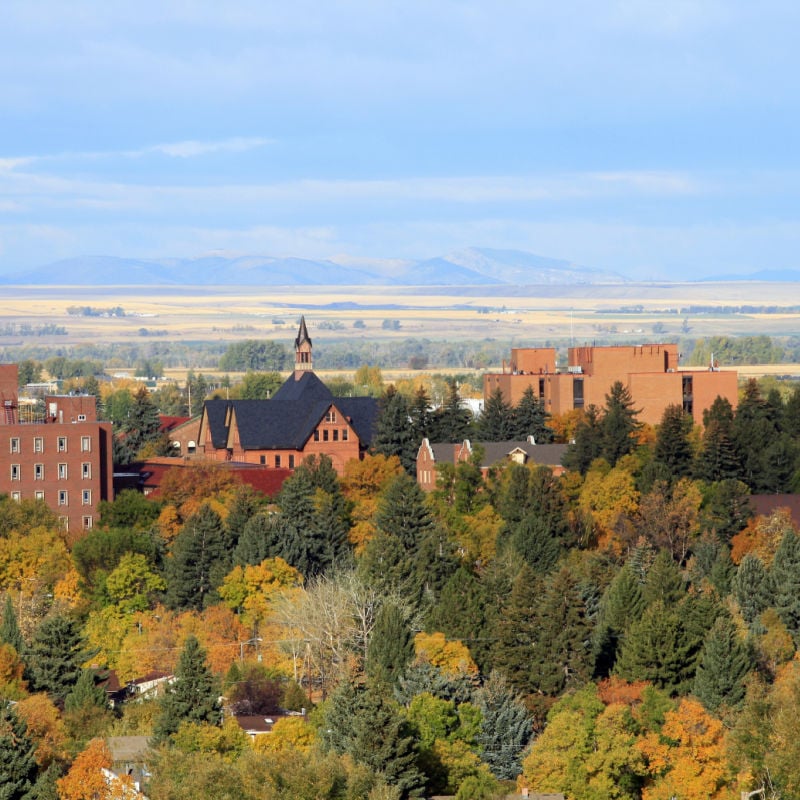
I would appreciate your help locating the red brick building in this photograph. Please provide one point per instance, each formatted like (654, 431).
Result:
(650, 372)
(301, 419)
(62, 456)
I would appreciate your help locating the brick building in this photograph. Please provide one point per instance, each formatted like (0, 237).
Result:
(61, 455)
(302, 418)
(650, 372)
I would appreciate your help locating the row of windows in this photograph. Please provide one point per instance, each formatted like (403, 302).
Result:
(332, 436)
(15, 444)
(278, 460)
(38, 471)
(87, 523)
(63, 497)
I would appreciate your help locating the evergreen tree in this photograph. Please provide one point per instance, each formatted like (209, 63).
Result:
(9, 628)
(421, 413)
(199, 562)
(56, 654)
(139, 428)
(781, 460)
(664, 581)
(394, 434)
(86, 693)
(726, 508)
(530, 419)
(192, 697)
(724, 664)
(391, 646)
(246, 504)
(513, 498)
(673, 447)
(258, 539)
(752, 424)
(402, 512)
(506, 727)
(618, 426)
(533, 540)
(752, 587)
(587, 444)
(18, 766)
(621, 605)
(791, 414)
(452, 420)
(496, 423)
(785, 576)
(718, 459)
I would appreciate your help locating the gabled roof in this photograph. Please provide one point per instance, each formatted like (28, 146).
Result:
(306, 387)
(495, 452)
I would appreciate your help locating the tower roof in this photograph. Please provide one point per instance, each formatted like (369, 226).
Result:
(302, 334)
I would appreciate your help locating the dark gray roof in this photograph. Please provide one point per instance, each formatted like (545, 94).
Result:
(287, 420)
(494, 452)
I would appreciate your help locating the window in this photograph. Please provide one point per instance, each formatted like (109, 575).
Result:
(291, 461)
(38, 444)
(577, 392)
(62, 444)
(15, 473)
(62, 497)
(15, 444)
(86, 497)
(330, 416)
(38, 472)
(64, 523)
(316, 436)
(16, 496)
(277, 461)
(38, 495)
(336, 435)
(62, 472)
(325, 435)
(87, 523)
(81, 417)
(262, 459)
(86, 470)
(345, 435)
(86, 444)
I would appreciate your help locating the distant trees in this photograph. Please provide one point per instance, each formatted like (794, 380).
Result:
(256, 355)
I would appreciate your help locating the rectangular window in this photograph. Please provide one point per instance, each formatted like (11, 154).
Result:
(62, 472)
(330, 416)
(81, 417)
(15, 444)
(325, 435)
(262, 459)
(345, 435)
(316, 436)
(86, 444)
(62, 444)
(38, 444)
(277, 461)
(38, 472)
(64, 523)
(291, 462)
(16, 496)
(87, 523)
(86, 470)
(335, 435)
(86, 497)
(62, 497)
(38, 495)
(15, 472)
(577, 392)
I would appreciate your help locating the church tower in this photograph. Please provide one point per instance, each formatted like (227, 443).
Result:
(302, 351)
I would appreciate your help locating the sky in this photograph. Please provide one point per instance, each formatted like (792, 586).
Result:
(658, 140)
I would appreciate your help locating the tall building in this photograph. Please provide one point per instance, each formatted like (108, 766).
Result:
(61, 455)
(302, 418)
(650, 372)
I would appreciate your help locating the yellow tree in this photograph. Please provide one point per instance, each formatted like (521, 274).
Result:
(45, 727)
(687, 757)
(288, 733)
(86, 779)
(450, 657)
(608, 495)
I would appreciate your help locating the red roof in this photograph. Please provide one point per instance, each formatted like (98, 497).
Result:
(167, 423)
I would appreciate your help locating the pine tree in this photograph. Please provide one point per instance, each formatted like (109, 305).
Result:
(673, 447)
(452, 420)
(513, 498)
(506, 727)
(752, 587)
(791, 413)
(192, 697)
(533, 539)
(394, 435)
(530, 419)
(86, 693)
(718, 459)
(56, 655)
(664, 581)
(246, 504)
(259, 539)
(621, 605)
(618, 426)
(495, 424)
(402, 512)
(724, 664)
(587, 444)
(752, 424)
(726, 508)
(421, 413)
(9, 628)
(781, 460)
(785, 577)
(18, 766)
(391, 646)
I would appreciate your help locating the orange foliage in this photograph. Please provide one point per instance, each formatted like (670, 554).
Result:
(67, 590)
(564, 425)
(615, 690)
(86, 780)
(203, 480)
(45, 727)
(687, 757)
(451, 657)
(762, 536)
(12, 686)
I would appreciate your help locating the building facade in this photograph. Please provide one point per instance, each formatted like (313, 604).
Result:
(62, 456)
(650, 372)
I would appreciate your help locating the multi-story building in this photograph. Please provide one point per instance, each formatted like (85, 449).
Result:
(302, 418)
(649, 371)
(61, 455)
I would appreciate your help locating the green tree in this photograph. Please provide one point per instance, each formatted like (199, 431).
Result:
(587, 444)
(453, 420)
(17, 756)
(192, 697)
(718, 459)
(530, 419)
(752, 587)
(56, 654)
(664, 581)
(673, 447)
(254, 354)
(9, 628)
(618, 426)
(496, 423)
(258, 385)
(785, 578)
(723, 667)
(129, 509)
(391, 646)
(394, 434)
(140, 427)
(726, 508)
(421, 413)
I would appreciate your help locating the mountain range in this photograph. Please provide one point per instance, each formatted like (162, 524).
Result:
(470, 267)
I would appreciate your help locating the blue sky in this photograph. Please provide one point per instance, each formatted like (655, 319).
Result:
(656, 139)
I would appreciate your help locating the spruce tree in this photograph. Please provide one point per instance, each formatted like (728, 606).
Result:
(394, 435)
(618, 426)
(421, 413)
(513, 497)
(246, 504)
(724, 664)
(587, 444)
(791, 414)
(452, 420)
(506, 727)
(718, 459)
(86, 693)
(199, 562)
(391, 646)
(726, 508)
(785, 578)
(533, 539)
(9, 628)
(530, 419)
(258, 540)
(664, 581)
(673, 447)
(192, 697)
(56, 654)
(402, 512)
(752, 587)
(495, 424)
(18, 766)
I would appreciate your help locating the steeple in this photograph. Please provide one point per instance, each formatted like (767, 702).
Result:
(302, 351)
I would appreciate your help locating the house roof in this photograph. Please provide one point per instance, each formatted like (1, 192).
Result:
(764, 504)
(494, 452)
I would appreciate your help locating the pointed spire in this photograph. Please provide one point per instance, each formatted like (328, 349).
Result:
(302, 350)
